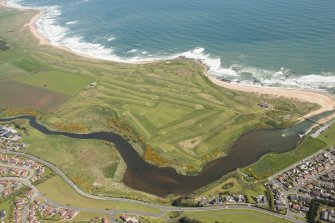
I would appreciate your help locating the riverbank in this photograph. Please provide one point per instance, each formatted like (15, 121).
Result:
(323, 99)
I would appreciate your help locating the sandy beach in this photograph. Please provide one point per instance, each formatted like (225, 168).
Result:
(325, 100)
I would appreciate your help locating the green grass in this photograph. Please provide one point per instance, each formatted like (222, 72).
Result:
(58, 191)
(6, 207)
(59, 81)
(328, 136)
(227, 216)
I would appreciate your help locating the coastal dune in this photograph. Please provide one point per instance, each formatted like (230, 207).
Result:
(325, 101)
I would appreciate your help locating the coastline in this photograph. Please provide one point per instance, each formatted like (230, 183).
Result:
(324, 100)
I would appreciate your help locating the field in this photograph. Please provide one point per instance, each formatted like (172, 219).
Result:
(17, 95)
(58, 191)
(235, 216)
(62, 82)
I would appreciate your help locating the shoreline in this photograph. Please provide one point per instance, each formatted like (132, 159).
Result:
(324, 100)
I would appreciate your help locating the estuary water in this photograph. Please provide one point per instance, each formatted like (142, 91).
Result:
(264, 42)
(143, 176)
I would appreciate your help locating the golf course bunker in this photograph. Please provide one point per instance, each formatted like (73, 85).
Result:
(18, 95)
(141, 175)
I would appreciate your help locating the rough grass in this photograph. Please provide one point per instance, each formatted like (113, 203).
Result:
(18, 95)
(58, 191)
(272, 163)
(62, 82)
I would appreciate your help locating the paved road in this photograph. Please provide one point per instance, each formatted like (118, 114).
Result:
(163, 208)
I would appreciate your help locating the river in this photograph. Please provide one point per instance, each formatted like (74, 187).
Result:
(143, 176)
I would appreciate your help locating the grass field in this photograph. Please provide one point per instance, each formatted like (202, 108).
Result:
(226, 216)
(58, 191)
(62, 82)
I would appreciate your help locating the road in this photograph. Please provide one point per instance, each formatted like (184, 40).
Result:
(163, 208)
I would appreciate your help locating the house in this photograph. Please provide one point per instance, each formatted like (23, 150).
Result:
(7, 191)
(296, 207)
(71, 214)
(125, 218)
(105, 220)
(304, 209)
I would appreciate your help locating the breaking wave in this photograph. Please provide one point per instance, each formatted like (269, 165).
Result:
(58, 35)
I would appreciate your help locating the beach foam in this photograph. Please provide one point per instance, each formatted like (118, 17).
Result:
(281, 78)
(72, 22)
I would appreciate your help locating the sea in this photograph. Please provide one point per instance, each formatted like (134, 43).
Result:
(287, 43)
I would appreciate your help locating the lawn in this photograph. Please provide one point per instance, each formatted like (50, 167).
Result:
(58, 191)
(6, 207)
(329, 136)
(234, 216)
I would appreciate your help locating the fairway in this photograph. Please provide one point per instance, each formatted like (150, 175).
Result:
(18, 95)
(62, 82)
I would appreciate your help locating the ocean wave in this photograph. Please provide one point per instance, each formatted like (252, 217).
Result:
(14, 4)
(254, 76)
(72, 22)
(110, 38)
(48, 26)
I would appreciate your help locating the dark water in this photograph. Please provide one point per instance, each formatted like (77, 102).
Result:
(141, 175)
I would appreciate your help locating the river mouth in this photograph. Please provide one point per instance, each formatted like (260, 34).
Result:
(143, 176)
